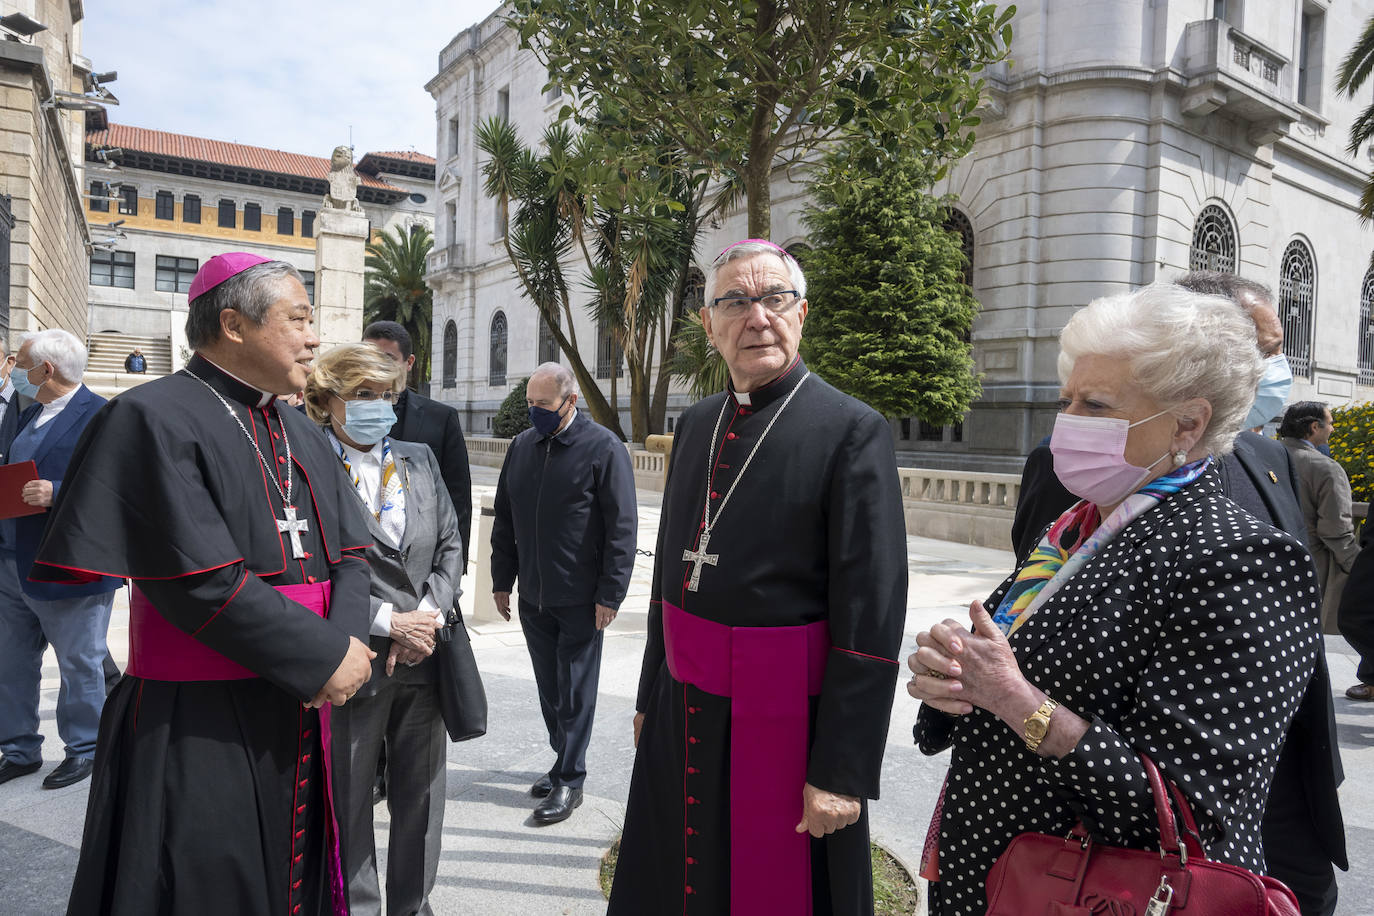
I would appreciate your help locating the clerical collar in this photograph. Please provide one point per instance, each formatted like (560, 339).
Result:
(228, 384)
(780, 387)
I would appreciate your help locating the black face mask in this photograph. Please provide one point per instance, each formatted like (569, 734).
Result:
(546, 421)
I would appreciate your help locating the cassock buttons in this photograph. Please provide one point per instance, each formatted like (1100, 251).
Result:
(691, 860)
(731, 436)
(310, 580)
(692, 740)
(689, 890)
(715, 495)
(281, 459)
(691, 831)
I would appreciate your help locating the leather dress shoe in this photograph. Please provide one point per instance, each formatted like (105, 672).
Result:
(558, 806)
(1361, 692)
(542, 787)
(11, 770)
(68, 772)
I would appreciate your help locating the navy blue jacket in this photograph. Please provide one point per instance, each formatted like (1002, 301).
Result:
(566, 518)
(53, 455)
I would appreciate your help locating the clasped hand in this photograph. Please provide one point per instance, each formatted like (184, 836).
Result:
(415, 630)
(955, 669)
(351, 674)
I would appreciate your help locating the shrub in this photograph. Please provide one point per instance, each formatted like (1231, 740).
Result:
(513, 416)
(1352, 445)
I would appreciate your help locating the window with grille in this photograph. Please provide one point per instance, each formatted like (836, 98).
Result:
(174, 275)
(1297, 305)
(164, 205)
(100, 190)
(608, 355)
(128, 201)
(1366, 341)
(227, 217)
(112, 268)
(308, 281)
(252, 217)
(1214, 241)
(496, 366)
(694, 296)
(307, 224)
(190, 208)
(286, 221)
(958, 223)
(450, 355)
(548, 344)
(929, 432)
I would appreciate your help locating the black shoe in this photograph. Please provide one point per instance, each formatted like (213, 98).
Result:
(11, 770)
(68, 772)
(558, 806)
(542, 787)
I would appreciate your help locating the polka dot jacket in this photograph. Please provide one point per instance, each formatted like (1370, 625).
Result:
(1190, 636)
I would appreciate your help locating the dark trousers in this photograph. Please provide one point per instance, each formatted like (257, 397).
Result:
(406, 718)
(565, 647)
(1356, 623)
(1293, 850)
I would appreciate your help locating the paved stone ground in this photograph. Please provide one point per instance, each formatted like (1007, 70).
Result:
(496, 862)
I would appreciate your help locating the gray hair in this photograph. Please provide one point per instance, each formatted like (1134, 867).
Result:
(62, 348)
(1177, 345)
(250, 292)
(567, 384)
(748, 250)
(1245, 293)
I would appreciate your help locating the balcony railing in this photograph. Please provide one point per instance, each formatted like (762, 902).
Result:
(1228, 71)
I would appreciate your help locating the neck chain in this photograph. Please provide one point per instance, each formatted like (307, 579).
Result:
(700, 556)
(283, 491)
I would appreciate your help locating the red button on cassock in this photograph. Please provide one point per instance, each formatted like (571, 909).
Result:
(310, 579)
(691, 740)
(689, 890)
(731, 436)
(281, 459)
(691, 861)
(715, 495)
(691, 800)
(691, 831)
(693, 770)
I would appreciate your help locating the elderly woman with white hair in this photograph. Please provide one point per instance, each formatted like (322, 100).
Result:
(1155, 616)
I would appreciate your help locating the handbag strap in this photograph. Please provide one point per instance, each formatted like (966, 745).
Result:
(1164, 812)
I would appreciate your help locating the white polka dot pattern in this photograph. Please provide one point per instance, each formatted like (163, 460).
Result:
(1191, 636)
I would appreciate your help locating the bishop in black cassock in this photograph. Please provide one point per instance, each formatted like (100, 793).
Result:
(209, 795)
(798, 605)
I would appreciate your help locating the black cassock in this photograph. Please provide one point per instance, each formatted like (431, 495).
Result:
(208, 796)
(813, 532)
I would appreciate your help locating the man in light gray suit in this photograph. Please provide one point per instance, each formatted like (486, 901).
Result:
(417, 560)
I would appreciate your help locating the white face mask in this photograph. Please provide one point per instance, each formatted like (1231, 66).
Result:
(1090, 457)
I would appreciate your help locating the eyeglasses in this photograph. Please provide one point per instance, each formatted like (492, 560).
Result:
(367, 394)
(777, 302)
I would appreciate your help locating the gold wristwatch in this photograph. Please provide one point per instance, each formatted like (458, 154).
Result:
(1038, 724)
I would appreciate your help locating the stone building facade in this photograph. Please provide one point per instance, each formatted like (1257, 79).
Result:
(1124, 143)
(167, 202)
(43, 235)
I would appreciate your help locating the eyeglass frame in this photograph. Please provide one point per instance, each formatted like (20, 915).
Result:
(796, 297)
(388, 395)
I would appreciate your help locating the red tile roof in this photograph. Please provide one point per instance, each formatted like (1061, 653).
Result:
(405, 156)
(181, 146)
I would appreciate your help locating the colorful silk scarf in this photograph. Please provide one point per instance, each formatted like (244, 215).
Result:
(391, 513)
(1074, 539)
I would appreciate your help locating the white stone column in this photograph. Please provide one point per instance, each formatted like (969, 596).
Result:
(340, 247)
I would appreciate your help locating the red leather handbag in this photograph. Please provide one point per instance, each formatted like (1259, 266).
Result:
(1045, 875)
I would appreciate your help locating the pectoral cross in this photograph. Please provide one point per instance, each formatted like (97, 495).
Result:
(698, 557)
(293, 527)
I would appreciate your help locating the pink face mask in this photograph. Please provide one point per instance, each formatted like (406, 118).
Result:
(1090, 458)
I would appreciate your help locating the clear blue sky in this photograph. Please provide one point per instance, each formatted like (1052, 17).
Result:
(289, 74)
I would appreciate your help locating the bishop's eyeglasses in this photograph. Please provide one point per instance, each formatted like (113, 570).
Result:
(778, 302)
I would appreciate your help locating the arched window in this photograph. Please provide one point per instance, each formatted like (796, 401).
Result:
(450, 355)
(1214, 241)
(1297, 303)
(1366, 341)
(548, 344)
(608, 356)
(496, 365)
(694, 295)
(956, 221)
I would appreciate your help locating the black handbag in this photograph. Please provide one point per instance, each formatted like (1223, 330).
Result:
(462, 698)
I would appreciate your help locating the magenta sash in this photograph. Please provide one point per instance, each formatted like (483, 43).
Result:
(768, 673)
(159, 651)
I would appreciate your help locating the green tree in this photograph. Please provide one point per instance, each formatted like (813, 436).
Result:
(394, 289)
(697, 363)
(891, 313)
(744, 87)
(1351, 77)
(513, 416)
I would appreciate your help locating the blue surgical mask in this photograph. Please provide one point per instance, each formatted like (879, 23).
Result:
(20, 377)
(546, 421)
(1272, 394)
(366, 422)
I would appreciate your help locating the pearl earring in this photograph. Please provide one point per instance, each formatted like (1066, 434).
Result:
(1180, 457)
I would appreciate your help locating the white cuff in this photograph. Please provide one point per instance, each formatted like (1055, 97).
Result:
(381, 624)
(427, 604)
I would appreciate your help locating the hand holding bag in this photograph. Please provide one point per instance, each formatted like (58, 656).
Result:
(1044, 875)
(462, 699)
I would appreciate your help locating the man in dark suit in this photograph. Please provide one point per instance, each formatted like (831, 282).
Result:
(12, 403)
(1304, 832)
(422, 419)
(73, 619)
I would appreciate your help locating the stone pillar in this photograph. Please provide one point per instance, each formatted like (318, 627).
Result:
(340, 247)
(483, 605)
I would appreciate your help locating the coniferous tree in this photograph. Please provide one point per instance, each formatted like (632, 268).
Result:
(890, 311)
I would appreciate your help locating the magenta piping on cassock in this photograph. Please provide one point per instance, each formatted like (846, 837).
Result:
(769, 674)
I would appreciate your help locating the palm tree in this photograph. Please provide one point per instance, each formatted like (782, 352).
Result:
(1354, 72)
(395, 289)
